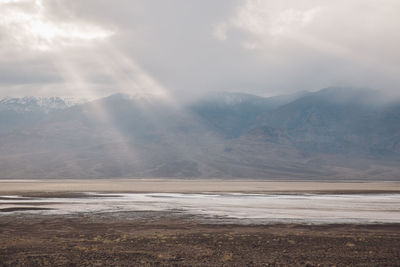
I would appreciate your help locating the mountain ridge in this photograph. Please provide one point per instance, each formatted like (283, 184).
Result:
(310, 135)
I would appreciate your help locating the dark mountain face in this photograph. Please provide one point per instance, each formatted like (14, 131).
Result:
(232, 114)
(330, 134)
(335, 124)
(137, 118)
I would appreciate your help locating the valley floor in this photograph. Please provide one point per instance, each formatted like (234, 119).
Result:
(158, 239)
(35, 230)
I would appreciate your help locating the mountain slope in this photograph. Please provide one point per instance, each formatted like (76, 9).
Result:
(26, 111)
(330, 134)
(232, 114)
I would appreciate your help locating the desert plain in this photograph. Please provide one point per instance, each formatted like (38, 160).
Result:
(31, 235)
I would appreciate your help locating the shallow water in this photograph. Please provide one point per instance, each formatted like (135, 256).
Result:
(232, 207)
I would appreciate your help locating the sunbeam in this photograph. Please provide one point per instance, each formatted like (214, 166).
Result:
(99, 114)
(199, 132)
(30, 26)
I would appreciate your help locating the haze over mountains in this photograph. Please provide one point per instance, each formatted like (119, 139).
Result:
(335, 133)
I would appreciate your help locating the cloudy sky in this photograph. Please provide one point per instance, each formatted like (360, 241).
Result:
(186, 48)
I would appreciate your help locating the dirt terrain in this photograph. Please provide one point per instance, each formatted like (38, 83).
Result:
(159, 239)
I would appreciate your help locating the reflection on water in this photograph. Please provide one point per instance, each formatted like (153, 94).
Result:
(235, 207)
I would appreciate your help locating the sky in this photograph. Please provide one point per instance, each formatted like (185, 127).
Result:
(187, 48)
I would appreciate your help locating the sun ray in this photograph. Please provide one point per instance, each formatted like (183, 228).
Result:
(34, 29)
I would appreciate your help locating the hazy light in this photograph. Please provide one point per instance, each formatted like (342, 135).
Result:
(265, 47)
(266, 20)
(31, 27)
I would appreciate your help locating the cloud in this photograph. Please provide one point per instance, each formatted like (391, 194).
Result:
(70, 50)
(26, 25)
(187, 48)
(359, 37)
(268, 19)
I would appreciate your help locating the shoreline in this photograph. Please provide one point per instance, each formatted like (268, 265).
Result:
(9, 186)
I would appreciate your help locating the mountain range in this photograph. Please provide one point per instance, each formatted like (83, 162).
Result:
(331, 134)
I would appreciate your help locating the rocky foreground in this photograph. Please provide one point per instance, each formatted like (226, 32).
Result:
(160, 239)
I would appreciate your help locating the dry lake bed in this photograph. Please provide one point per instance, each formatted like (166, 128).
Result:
(199, 223)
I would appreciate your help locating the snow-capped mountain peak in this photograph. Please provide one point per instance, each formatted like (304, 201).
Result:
(38, 104)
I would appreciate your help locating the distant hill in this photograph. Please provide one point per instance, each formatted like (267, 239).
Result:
(335, 133)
